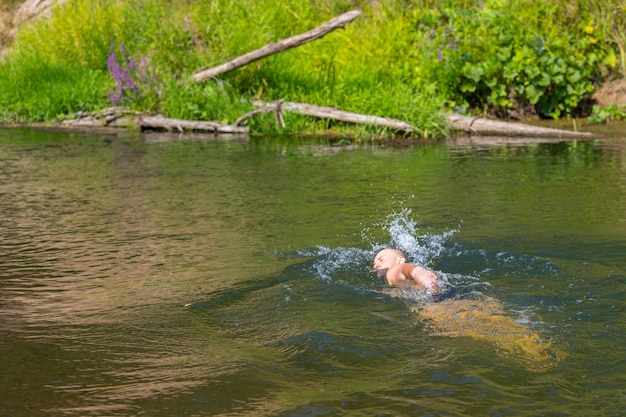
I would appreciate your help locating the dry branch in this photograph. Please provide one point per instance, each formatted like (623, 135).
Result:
(336, 114)
(120, 118)
(276, 107)
(126, 118)
(484, 127)
(471, 125)
(275, 47)
(160, 122)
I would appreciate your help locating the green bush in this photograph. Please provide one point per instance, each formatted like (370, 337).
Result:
(494, 55)
(610, 113)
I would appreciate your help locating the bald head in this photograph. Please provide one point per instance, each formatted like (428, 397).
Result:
(387, 258)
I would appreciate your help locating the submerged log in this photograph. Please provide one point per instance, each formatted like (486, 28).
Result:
(485, 127)
(275, 47)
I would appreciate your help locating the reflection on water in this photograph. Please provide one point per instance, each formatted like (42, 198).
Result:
(233, 277)
(486, 319)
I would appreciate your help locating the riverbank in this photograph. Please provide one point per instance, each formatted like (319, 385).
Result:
(398, 61)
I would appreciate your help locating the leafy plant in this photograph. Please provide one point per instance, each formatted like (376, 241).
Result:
(610, 113)
(500, 55)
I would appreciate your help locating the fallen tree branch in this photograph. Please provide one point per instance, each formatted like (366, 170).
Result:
(336, 114)
(485, 127)
(160, 122)
(275, 107)
(471, 125)
(275, 47)
(122, 118)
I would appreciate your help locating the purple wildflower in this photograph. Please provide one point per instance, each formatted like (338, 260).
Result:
(447, 44)
(454, 44)
(124, 73)
(115, 95)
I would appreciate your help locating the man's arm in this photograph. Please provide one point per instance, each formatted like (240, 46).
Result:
(403, 274)
(423, 277)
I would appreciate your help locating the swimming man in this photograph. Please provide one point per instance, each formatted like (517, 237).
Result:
(481, 319)
(392, 262)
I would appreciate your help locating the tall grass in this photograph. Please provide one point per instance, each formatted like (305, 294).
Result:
(58, 65)
(34, 90)
(78, 35)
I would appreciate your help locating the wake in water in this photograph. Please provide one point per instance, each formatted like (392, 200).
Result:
(465, 310)
(331, 301)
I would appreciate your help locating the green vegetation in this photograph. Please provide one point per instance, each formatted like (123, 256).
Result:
(406, 59)
(530, 53)
(610, 113)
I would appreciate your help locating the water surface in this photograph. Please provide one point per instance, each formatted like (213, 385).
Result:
(184, 277)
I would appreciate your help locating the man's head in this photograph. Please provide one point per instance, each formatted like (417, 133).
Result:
(387, 258)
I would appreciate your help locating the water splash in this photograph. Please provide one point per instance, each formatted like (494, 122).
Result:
(403, 234)
(329, 262)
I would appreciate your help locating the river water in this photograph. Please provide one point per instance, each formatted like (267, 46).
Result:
(156, 276)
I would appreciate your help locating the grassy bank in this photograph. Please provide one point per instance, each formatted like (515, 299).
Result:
(402, 59)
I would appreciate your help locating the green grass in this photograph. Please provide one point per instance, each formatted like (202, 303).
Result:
(33, 90)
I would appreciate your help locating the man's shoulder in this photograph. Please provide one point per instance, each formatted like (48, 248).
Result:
(395, 274)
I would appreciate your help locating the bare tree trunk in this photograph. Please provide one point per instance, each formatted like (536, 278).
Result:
(160, 122)
(485, 127)
(275, 47)
(471, 125)
(121, 118)
(336, 114)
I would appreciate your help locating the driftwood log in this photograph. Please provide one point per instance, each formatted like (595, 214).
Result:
(160, 122)
(121, 118)
(331, 113)
(485, 127)
(471, 125)
(275, 47)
